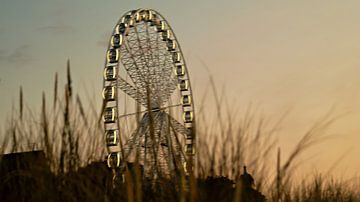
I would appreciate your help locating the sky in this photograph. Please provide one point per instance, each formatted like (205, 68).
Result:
(296, 56)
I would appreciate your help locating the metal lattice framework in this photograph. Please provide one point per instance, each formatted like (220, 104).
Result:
(144, 62)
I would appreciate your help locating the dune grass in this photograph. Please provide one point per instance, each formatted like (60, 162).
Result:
(71, 137)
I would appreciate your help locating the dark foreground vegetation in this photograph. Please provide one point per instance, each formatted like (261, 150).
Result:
(57, 154)
(27, 177)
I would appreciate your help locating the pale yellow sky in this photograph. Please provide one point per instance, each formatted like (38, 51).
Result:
(302, 56)
(298, 55)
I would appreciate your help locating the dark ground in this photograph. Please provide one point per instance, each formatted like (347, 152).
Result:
(27, 177)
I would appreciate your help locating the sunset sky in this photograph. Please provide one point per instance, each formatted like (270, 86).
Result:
(297, 56)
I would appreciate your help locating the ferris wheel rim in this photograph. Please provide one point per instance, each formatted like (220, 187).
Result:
(133, 12)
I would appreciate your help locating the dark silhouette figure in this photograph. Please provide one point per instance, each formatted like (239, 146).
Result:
(246, 180)
(246, 190)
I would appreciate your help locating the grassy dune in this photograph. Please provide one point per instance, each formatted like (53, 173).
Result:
(71, 167)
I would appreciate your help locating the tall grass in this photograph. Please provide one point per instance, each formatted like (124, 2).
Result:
(72, 139)
(58, 130)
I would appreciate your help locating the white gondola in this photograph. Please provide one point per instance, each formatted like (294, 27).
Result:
(113, 55)
(190, 149)
(176, 57)
(183, 85)
(138, 17)
(131, 23)
(148, 15)
(186, 100)
(117, 29)
(114, 159)
(190, 136)
(143, 14)
(185, 168)
(110, 73)
(161, 26)
(189, 141)
(171, 45)
(109, 115)
(116, 40)
(166, 35)
(132, 12)
(112, 137)
(126, 18)
(188, 116)
(153, 16)
(155, 22)
(109, 93)
(180, 70)
(121, 28)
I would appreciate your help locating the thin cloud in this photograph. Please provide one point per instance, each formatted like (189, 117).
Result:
(60, 28)
(18, 56)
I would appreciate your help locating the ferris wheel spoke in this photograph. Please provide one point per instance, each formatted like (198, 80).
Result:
(164, 69)
(168, 92)
(130, 62)
(133, 72)
(134, 67)
(141, 85)
(174, 147)
(152, 110)
(156, 80)
(168, 85)
(131, 143)
(157, 73)
(165, 72)
(168, 149)
(152, 140)
(178, 143)
(180, 128)
(142, 45)
(135, 93)
(131, 91)
(137, 137)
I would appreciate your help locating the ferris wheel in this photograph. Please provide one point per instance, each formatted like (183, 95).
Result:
(148, 109)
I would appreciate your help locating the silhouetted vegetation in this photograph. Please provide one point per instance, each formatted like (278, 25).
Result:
(63, 153)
